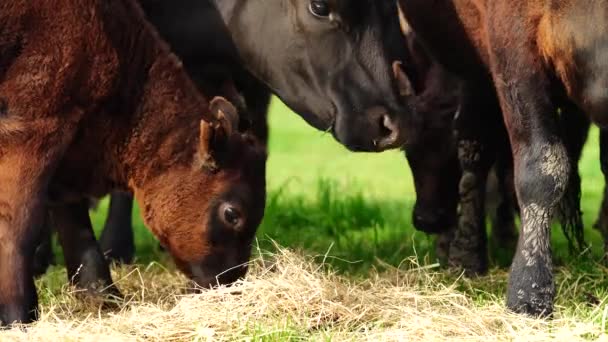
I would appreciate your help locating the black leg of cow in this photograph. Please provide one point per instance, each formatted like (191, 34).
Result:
(504, 233)
(574, 128)
(86, 265)
(442, 246)
(541, 163)
(116, 240)
(44, 256)
(468, 249)
(602, 221)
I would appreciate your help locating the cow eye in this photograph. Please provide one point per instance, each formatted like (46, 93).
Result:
(231, 216)
(319, 8)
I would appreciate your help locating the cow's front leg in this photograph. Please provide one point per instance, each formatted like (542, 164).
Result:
(43, 255)
(27, 161)
(86, 265)
(117, 237)
(540, 158)
(602, 221)
(20, 217)
(541, 178)
(468, 249)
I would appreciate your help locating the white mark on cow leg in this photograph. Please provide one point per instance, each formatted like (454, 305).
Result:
(521, 294)
(555, 163)
(536, 244)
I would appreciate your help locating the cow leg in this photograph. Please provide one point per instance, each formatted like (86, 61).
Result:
(504, 232)
(86, 265)
(574, 128)
(540, 159)
(468, 249)
(602, 221)
(116, 239)
(442, 245)
(44, 256)
(25, 170)
(20, 219)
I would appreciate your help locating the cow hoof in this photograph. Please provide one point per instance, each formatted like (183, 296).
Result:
(442, 247)
(531, 289)
(534, 303)
(472, 263)
(17, 314)
(93, 276)
(100, 293)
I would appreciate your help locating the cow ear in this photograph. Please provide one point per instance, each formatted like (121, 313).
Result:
(405, 26)
(403, 82)
(215, 136)
(225, 113)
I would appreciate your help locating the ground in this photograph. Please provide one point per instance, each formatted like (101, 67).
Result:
(336, 258)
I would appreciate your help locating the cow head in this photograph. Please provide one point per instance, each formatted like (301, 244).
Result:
(331, 61)
(436, 173)
(205, 210)
(433, 157)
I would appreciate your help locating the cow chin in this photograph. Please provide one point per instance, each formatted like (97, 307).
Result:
(207, 279)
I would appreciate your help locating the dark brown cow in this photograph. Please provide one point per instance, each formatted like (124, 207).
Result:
(442, 204)
(92, 101)
(436, 170)
(541, 55)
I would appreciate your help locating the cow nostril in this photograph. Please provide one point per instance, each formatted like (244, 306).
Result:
(388, 133)
(385, 129)
(388, 125)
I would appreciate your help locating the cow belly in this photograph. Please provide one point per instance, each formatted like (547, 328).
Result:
(573, 38)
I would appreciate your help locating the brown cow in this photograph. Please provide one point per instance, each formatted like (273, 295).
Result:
(92, 101)
(540, 55)
(434, 162)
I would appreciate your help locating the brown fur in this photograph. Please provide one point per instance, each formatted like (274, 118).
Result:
(540, 55)
(90, 90)
(572, 39)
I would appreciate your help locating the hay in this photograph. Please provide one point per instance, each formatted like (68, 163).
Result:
(288, 296)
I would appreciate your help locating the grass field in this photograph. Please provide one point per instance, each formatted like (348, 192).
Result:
(353, 267)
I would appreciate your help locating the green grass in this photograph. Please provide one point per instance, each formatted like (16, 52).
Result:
(357, 206)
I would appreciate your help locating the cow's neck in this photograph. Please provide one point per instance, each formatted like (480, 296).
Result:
(164, 112)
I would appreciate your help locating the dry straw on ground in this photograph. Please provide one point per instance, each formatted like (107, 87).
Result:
(293, 297)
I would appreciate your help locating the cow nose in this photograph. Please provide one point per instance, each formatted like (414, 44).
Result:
(432, 221)
(389, 133)
(206, 279)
